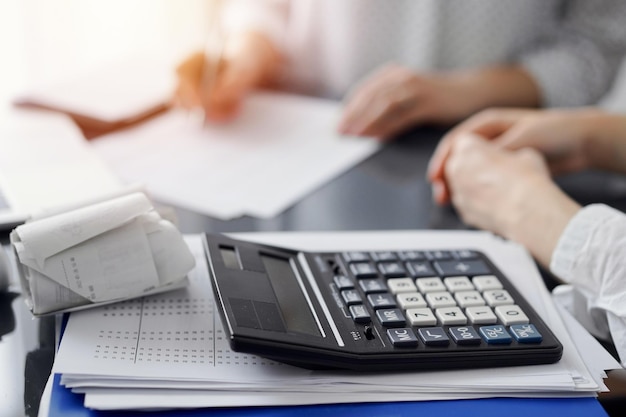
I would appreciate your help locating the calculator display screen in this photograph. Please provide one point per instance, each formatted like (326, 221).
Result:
(293, 305)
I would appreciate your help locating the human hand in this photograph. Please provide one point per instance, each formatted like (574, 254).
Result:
(561, 136)
(508, 192)
(394, 98)
(248, 61)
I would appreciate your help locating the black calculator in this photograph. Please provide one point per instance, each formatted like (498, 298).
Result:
(374, 311)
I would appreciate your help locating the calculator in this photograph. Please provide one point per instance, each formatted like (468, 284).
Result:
(373, 310)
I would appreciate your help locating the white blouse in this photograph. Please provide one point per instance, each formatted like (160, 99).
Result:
(591, 256)
(572, 48)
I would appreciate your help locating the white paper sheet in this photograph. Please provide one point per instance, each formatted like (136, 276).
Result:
(177, 351)
(46, 163)
(280, 148)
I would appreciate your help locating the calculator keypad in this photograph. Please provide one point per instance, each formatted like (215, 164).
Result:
(433, 298)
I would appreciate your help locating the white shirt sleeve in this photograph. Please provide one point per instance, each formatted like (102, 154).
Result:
(591, 256)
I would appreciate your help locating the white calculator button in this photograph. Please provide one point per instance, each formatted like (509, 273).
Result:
(421, 317)
(400, 285)
(451, 316)
(511, 314)
(440, 299)
(430, 284)
(486, 282)
(481, 315)
(497, 297)
(469, 299)
(408, 300)
(455, 284)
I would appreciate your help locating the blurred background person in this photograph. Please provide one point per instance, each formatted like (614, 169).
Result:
(401, 63)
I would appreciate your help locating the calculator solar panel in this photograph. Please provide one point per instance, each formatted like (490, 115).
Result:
(374, 311)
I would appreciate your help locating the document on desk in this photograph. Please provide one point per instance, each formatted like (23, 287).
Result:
(280, 148)
(168, 350)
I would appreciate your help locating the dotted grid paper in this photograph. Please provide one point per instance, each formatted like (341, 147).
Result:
(176, 334)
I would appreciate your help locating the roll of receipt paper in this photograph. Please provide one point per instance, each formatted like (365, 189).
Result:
(98, 254)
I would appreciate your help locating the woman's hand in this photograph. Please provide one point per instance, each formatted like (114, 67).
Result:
(395, 98)
(562, 137)
(508, 192)
(218, 85)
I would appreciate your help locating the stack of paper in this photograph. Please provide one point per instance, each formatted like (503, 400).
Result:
(169, 350)
(279, 148)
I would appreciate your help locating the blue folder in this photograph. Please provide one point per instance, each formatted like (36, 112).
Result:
(65, 403)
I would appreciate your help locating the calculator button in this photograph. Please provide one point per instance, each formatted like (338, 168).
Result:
(464, 254)
(351, 297)
(391, 317)
(454, 284)
(487, 282)
(411, 300)
(495, 334)
(369, 286)
(433, 336)
(497, 297)
(400, 285)
(450, 316)
(481, 315)
(464, 267)
(440, 299)
(430, 284)
(382, 300)
(411, 255)
(438, 255)
(360, 314)
(384, 256)
(511, 314)
(343, 282)
(526, 333)
(403, 337)
(363, 270)
(420, 269)
(420, 317)
(469, 299)
(465, 335)
(392, 269)
(350, 257)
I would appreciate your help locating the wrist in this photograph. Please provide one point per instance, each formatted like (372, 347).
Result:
(502, 86)
(538, 224)
(604, 140)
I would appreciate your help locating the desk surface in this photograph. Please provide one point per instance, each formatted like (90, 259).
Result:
(387, 191)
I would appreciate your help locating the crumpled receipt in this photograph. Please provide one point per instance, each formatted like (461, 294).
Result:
(105, 252)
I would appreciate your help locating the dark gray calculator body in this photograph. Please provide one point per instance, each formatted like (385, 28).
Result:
(381, 310)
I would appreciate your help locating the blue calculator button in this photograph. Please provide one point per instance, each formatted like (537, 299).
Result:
(403, 337)
(465, 335)
(525, 333)
(495, 334)
(433, 336)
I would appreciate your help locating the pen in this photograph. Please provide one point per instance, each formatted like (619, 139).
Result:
(213, 55)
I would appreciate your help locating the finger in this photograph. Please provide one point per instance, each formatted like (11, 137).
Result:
(222, 100)
(490, 124)
(362, 96)
(396, 119)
